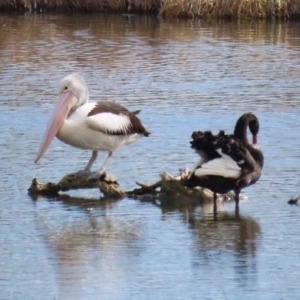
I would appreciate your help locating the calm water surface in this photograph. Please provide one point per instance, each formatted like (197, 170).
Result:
(184, 76)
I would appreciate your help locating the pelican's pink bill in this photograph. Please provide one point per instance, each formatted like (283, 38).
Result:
(64, 104)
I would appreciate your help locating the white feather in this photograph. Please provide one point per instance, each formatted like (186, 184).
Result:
(202, 160)
(108, 122)
(83, 134)
(224, 166)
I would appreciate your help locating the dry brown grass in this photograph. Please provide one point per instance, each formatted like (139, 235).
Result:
(249, 9)
(258, 9)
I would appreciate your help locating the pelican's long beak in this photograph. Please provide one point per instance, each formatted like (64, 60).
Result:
(64, 104)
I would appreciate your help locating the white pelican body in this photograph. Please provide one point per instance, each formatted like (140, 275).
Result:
(80, 131)
(97, 126)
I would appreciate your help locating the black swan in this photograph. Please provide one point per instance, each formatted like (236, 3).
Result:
(228, 162)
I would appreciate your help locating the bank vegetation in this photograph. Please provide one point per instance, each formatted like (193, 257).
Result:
(245, 9)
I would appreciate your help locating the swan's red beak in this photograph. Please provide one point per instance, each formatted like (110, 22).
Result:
(64, 104)
(254, 139)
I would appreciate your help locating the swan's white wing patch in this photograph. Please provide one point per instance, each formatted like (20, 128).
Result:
(109, 123)
(224, 166)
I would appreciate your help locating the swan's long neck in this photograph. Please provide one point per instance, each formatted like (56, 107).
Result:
(240, 130)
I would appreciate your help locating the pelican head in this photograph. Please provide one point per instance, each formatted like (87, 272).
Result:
(73, 93)
(76, 85)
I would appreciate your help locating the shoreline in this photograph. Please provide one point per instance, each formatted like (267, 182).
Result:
(204, 9)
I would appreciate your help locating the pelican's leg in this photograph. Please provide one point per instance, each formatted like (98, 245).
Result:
(91, 161)
(87, 170)
(107, 159)
(97, 175)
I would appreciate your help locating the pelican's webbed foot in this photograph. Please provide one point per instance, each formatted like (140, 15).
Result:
(90, 175)
(82, 173)
(96, 175)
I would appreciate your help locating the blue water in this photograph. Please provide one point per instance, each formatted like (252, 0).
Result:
(184, 75)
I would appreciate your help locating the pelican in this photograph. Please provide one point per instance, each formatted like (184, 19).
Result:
(96, 126)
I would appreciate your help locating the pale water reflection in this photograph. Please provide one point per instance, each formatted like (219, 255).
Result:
(183, 75)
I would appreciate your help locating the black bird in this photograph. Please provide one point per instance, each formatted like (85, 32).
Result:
(228, 162)
(294, 201)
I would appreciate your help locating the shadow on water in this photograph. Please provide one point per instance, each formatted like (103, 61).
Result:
(89, 243)
(232, 240)
(230, 232)
(110, 27)
(226, 231)
(229, 238)
(78, 202)
(98, 240)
